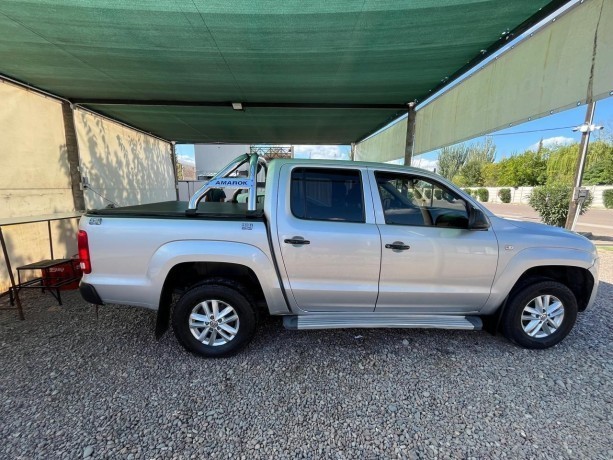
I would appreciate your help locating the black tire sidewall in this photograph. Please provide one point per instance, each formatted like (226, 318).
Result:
(511, 321)
(185, 305)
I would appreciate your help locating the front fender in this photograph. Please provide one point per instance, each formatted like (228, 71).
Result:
(176, 252)
(507, 275)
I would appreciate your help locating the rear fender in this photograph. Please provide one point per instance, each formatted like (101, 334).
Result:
(177, 252)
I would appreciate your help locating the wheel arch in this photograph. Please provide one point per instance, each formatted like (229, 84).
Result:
(187, 275)
(579, 280)
(178, 265)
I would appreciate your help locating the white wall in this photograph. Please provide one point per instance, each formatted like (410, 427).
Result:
(121, 164)
(521, 195)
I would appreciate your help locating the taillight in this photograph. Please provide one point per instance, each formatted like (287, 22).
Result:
(84, 260)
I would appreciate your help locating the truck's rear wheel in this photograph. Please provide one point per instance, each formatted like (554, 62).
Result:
(540, 314)
(213, 320)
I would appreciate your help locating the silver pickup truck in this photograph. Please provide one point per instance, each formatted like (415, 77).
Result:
(335, 244)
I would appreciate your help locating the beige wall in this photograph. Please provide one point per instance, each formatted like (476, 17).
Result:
(34, 177)
(123, 165)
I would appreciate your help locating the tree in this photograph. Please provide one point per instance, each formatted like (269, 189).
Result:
(451, 159)
(490, 173)
(470, 175)
(526, 169)
(479, 155)
(599, 170)
(482, 152)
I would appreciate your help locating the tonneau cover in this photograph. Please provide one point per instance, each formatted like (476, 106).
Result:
(177, 209)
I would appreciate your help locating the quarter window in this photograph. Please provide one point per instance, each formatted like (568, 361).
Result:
(412, 200)
(327, 194)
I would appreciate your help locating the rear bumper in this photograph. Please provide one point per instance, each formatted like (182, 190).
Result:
(89, 294)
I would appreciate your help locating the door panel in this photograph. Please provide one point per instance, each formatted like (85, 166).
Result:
(446, 267)
(445, 270)
(338, 269)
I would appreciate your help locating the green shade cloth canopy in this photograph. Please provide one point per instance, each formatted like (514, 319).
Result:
(354, 64)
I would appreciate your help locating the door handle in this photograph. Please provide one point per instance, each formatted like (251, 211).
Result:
(397, 246)
(297, 240)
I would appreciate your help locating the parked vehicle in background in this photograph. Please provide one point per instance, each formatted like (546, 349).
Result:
(336, 245)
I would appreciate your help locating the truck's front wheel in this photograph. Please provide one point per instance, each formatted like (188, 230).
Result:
(540, 314)
(213, 320)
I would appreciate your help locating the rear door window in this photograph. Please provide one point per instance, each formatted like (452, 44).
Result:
(327, 194)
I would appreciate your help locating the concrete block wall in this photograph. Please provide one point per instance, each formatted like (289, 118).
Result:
(521, 195)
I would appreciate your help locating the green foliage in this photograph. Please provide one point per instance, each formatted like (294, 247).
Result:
(451, 159)
(526, 169)
(551, 202)
(607, 197)
(469, 191)
(470, 174)
(562, 163)
(599, 169)
(490, 173)
(427, 193)
(472, 165)
(505, 195)
(466, 161)
(483, 194)
(438, 194)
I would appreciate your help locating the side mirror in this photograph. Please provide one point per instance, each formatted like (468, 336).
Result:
(448, 197)
(477, 220)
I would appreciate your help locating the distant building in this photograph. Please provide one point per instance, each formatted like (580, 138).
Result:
(186, 172)
(210, 158)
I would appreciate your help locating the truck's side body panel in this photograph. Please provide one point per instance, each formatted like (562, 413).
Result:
(131, 257)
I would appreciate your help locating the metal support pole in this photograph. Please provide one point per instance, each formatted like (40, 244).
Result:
(173, 158)
(72, 154)
(410, 140)
(11, 277)
(352, 154)
(574, 208)
(50, 238)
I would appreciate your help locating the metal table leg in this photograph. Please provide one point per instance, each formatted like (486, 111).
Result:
(15, 292)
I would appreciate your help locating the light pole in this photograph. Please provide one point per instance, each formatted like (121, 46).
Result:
(579, 195)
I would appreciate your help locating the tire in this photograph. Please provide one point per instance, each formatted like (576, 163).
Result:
(532, 324)
(190, 319)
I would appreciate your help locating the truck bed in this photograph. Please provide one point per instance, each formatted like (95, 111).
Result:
(177, 210)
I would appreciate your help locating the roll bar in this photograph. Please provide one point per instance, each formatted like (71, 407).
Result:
(220, 180)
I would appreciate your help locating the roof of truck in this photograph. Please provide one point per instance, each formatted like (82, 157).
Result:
(278, 162)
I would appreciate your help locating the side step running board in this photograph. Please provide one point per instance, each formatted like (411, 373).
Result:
(381, 320)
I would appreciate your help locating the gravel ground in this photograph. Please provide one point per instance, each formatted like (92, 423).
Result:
(73, 386)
